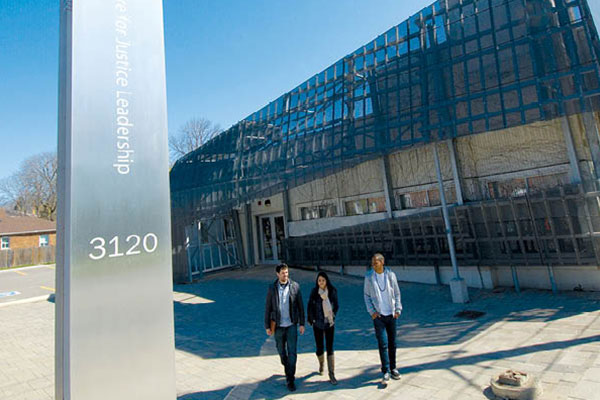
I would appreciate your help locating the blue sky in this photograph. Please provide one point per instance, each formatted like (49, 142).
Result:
(225, 58)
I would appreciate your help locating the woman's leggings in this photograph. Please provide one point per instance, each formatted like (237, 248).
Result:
(326, 334)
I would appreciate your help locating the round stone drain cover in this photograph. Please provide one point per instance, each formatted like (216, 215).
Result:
(516, 385)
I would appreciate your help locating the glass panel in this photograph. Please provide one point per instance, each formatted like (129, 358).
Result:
(414, 24)
(391, 35)
(198, 260)
(357, 207)
(505, 189)
(228, 225)
(267, 235)
(376, 205)
(305, 213)
(328, 210)
(414, 200)
(539, 183)
(215, 256)
(224, 255)
(279, 236)
(207, 258)
(203, 228)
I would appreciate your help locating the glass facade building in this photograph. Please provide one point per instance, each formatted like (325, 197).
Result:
(456, 68)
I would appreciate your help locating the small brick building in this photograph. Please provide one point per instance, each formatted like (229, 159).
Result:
(25, 239)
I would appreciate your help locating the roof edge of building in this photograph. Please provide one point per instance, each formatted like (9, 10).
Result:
(28, 232)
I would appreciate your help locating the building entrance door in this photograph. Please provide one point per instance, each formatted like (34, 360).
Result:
(272, 231)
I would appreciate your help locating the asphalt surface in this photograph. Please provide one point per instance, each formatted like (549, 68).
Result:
(26, 283)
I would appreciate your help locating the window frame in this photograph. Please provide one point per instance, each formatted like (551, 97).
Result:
(47, 241)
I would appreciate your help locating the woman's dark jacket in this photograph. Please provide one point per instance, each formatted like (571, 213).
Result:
(272, 305)
(315, 314)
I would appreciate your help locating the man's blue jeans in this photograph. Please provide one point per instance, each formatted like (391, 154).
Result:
(387, 348)
(286, 340)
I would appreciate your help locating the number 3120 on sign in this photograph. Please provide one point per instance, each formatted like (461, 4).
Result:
(134, 244)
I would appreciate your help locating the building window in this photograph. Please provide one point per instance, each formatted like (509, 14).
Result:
(44, 241)
(507, 188)
(414, 200)
(228, 229)
(520, 186)
(541, 183)
(204, 235)
(435, 199)
(320, 211)
(425, 198)
(5, 243)
(365, 206)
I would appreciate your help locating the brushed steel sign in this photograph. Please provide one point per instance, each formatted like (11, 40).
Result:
(114, 310)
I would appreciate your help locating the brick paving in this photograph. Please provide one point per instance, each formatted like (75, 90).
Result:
(223, 353)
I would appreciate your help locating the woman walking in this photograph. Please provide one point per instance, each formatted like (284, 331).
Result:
(322, 309)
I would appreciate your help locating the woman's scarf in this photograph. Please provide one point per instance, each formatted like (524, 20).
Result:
(327, 310)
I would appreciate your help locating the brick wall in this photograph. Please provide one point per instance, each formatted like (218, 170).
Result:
(29, 241)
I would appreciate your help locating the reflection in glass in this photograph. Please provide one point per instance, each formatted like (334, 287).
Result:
(267, 238)
(279, 236)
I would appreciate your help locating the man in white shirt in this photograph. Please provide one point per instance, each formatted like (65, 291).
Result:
(383, 302)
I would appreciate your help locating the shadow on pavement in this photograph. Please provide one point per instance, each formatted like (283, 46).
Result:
(497, 355)
(231, 324)
(275, 387)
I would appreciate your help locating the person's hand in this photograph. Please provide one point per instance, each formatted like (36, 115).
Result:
(396, 315)
(269, 332)
(375, 315)
(302, 329)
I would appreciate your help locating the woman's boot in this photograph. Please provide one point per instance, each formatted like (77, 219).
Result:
(321, 363)
(331, 368)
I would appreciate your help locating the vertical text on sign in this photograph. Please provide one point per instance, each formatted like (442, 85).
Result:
(123, 95)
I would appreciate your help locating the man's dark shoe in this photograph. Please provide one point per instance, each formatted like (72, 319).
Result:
(395, 374)
(291, 386)
(386, 378)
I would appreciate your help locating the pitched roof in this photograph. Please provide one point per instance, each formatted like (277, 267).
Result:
(13, 224)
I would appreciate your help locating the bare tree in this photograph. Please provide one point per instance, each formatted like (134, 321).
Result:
(32, 189)
(191, 135)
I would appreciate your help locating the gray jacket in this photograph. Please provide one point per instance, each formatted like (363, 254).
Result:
(370, 291)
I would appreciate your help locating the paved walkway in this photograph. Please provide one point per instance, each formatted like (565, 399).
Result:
(223, 353)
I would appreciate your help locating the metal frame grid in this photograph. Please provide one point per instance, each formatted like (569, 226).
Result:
(458, 67)
(560, 226)
(212, 245)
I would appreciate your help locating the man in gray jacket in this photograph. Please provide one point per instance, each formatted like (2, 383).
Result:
(382, 298)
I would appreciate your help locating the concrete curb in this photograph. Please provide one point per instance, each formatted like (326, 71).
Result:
(26, 268)
(29, 300)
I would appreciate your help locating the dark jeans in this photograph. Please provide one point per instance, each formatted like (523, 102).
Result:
(328, 334)
(286, 340)
(387, 348)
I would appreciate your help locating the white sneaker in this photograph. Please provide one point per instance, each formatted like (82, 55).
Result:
(395, 374)
(386, 378)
